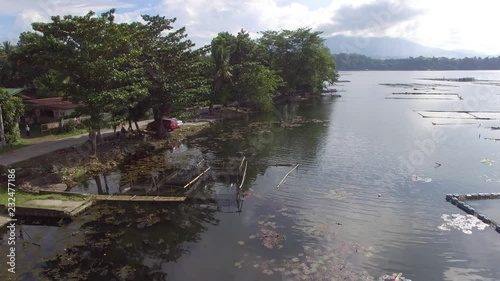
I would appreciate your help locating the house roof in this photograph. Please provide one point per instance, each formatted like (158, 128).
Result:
(51, 103)
(19, 92)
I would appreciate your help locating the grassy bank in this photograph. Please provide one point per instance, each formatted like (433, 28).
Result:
(24, 199)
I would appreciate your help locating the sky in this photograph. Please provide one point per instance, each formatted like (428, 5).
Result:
(447, 24)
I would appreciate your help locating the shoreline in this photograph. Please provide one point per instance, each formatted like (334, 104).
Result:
(72, 165)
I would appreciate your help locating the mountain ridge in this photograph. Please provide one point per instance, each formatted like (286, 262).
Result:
(390, 48)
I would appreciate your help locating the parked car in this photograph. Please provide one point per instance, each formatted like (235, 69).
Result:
(179, 122)
(168, 123)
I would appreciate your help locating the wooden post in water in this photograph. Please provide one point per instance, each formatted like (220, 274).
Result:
(244, 175)
(283, 180)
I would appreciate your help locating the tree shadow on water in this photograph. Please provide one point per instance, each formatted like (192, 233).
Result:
(130, 242)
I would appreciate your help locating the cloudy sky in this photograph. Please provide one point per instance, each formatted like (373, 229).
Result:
(445, 24)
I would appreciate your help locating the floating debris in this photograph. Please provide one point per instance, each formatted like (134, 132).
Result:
(393, 277)
(462, 79)
(460, 222)
(336, 194)
(488, 161)
(426, 93)
(416, 178)
(419, 98)
(314, 264)
(414, 85)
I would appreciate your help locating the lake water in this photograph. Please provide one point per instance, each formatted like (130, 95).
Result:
(367, 199)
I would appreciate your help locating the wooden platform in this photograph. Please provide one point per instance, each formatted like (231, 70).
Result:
(135, 198)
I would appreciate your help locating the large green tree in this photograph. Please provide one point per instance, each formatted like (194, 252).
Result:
(100, 58)
(257, 84)
(301, 58)
(12, 109)
(173, 67)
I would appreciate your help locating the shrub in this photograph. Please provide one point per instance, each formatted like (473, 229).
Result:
(70, 126)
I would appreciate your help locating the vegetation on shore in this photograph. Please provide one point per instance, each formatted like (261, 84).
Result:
(361, 62)
(73, 165)
(120, 72)
(12, 109)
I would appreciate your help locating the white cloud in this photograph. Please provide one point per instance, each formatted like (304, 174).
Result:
(27, 12)
(458, 25)
(206, 19)
(443, 23)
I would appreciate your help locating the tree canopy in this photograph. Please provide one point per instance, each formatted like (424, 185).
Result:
(301, 58)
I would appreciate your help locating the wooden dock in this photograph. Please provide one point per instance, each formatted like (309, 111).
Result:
(136, 198)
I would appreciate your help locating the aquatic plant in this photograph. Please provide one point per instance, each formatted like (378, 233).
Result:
(416, 178)
(488, 162)
(340, 194)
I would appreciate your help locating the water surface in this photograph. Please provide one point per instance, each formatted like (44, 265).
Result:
(366, 200)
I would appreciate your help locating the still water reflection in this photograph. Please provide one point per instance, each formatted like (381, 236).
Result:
(366, 200)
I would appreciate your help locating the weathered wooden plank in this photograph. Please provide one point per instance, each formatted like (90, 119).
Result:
(135, 198)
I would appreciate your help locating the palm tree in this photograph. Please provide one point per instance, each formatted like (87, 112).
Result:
(7, 48)
(6, 68)
(222, 72)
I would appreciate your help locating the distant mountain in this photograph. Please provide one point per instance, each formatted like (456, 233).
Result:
(388, 47)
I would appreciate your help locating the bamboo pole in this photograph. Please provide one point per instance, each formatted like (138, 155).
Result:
(283, 180)
(244, 175)
(195, 179)
(242, 161)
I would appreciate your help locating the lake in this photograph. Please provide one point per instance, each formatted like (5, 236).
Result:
(367, 199)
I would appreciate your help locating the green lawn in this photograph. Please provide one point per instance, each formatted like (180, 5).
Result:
(23, 197)
(10, 147)
(38, 138)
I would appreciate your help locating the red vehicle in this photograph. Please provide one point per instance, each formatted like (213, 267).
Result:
(168, 123)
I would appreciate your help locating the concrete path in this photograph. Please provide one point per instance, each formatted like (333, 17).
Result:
(4, 220)
(38, 149)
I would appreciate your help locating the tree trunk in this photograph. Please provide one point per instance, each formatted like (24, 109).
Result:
(137, 126)
(93, 139)
(98, 183)
(130, 123)
(106, 185)
(155, 114)
(211, 108)
(99, 136)
(212, 99)
(161, 129)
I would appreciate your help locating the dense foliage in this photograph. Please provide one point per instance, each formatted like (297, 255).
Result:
(301, 58)
(361, 62)
(12, 110)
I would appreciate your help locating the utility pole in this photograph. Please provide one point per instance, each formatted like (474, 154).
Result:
(1, 127)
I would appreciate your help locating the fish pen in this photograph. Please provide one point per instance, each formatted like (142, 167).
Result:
(459, 201)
